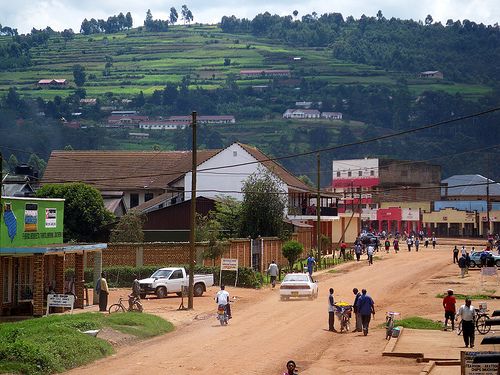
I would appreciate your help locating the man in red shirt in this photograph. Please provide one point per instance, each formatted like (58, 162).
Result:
(449, 309)
(343, 246)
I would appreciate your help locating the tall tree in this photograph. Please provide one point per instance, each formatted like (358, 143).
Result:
(129, 228)
(128, 20)
(79, 75)
(174, 16)
(84, 211)
(263, 206)
(187, 15)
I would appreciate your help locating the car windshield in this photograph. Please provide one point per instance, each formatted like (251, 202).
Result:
(161, 273)
(296, 277)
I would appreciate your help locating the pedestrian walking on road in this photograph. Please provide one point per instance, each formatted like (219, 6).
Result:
(467, 263)
(409, 242)
(462, 264)
(366, 308)
(434, 242)
(467, 313)
(387, 245)
(291, 368)
(311, 262)
(102, 290)
(357, 315)
(343, 246)
(370, 250)
(455, 254)
(449, 303)
(358, 250)
(273, 272)
(396, 245)
(426, 242)
(331, 312)
(417, 244)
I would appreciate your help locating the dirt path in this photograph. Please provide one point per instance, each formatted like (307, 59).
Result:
(266, 332)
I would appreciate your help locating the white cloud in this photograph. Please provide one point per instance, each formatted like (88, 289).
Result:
(62, 14)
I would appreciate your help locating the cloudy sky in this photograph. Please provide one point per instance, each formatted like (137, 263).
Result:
(62, 14)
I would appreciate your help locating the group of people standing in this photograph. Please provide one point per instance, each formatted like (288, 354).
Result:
(466, 312)
(363, 306)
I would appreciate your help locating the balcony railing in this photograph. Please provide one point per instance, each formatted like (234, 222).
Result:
(311, 211)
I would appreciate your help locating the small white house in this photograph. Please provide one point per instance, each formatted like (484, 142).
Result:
(301, 114)
(331, 115)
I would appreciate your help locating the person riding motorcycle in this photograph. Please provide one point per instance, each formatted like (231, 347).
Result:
(222, 298)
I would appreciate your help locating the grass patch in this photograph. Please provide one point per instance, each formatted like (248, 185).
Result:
(416, 322)
(334, 271)
(54, 344)
(464, 296)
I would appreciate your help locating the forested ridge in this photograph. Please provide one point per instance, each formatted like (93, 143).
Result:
(465, 50)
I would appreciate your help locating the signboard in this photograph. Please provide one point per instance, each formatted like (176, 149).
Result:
(60, 300)
(369, 214)
(408, 214)
(50, 217)
(227, 264)
(31, 222)
(469, 368)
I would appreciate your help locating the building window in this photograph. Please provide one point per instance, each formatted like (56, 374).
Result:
(372, 173)
(134, 200)
(148, 196)
(338, 174)
(360, 173)
(349, 174)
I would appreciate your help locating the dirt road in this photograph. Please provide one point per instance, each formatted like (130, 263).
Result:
(266, 332)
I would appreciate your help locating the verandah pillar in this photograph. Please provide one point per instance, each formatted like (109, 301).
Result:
(38, 284)
(79, 280)
(59, 289)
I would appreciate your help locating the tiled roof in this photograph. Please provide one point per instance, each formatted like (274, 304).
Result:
(287, 177)
(121, 170)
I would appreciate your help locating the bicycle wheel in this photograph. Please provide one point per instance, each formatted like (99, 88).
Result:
(137, 306)
(481, 326)
(459, 328)
(116, 308)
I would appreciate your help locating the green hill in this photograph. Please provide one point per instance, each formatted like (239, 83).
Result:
(140, 61)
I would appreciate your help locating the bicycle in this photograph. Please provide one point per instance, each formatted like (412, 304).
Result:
(343, 311)
(479, 323)
(389, 323)
(120, 307)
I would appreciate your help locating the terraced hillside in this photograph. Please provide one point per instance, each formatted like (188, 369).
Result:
(127, 63)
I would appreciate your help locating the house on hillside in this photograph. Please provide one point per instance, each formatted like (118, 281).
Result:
(58, 82)
(436, 74)
(186, 120)
(331, 115)
(161, 125)
(301, 114)
(125, 120)
(269, 73)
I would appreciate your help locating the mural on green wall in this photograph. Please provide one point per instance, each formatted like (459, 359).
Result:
(31, 222)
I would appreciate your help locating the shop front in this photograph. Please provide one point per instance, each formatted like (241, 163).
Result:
(33, 258)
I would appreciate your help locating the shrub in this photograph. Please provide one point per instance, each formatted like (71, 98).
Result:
(291, 251)
(123, 276)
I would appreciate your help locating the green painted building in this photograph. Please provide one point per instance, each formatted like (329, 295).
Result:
(31, 222)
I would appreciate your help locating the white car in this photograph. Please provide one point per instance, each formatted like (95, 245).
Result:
(298, 285)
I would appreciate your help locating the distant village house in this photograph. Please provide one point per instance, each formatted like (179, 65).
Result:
(52, 82)
(431, 74)
(331, 115)
(276, 73)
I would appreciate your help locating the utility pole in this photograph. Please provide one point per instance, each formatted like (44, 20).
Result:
(193, 216)
(488, 195)
(318, 207)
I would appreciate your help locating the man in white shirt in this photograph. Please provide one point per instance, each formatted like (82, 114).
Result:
(273, 272)
(222, 298)
(370, 250)
(468, 314)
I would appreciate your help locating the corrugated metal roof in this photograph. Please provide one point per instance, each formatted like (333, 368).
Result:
(468, 185)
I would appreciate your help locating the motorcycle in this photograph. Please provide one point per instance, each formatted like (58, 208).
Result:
(222, 315)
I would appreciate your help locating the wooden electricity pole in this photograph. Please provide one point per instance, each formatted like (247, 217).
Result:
(318, 208)
(193, 216)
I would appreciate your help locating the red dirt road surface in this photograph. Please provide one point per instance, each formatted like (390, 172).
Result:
(266, 332)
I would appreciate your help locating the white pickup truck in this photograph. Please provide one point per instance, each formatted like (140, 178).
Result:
(171, 280)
